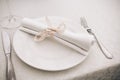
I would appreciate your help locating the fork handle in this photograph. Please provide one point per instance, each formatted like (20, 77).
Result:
(103, 49)
(10, 74)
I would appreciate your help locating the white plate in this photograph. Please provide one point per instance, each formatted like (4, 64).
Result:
(48, 54)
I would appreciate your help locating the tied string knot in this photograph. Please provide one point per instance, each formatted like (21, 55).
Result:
(49, 32)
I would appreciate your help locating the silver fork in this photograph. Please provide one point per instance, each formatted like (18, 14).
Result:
(89, 30)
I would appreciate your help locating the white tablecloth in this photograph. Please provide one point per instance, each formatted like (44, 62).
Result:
(103, 17)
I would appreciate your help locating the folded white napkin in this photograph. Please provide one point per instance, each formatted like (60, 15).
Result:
(79, 42)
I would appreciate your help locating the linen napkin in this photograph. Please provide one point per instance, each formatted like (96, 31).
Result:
(79, 42)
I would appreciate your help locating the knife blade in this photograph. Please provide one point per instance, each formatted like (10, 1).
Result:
(89, 30)
(10, 74)
(6, 42)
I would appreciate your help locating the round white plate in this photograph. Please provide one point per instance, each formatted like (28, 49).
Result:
(48, 54)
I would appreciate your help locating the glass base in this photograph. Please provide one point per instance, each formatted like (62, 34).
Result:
(10, 22)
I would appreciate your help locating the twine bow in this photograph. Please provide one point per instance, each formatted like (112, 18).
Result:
(50, 31)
